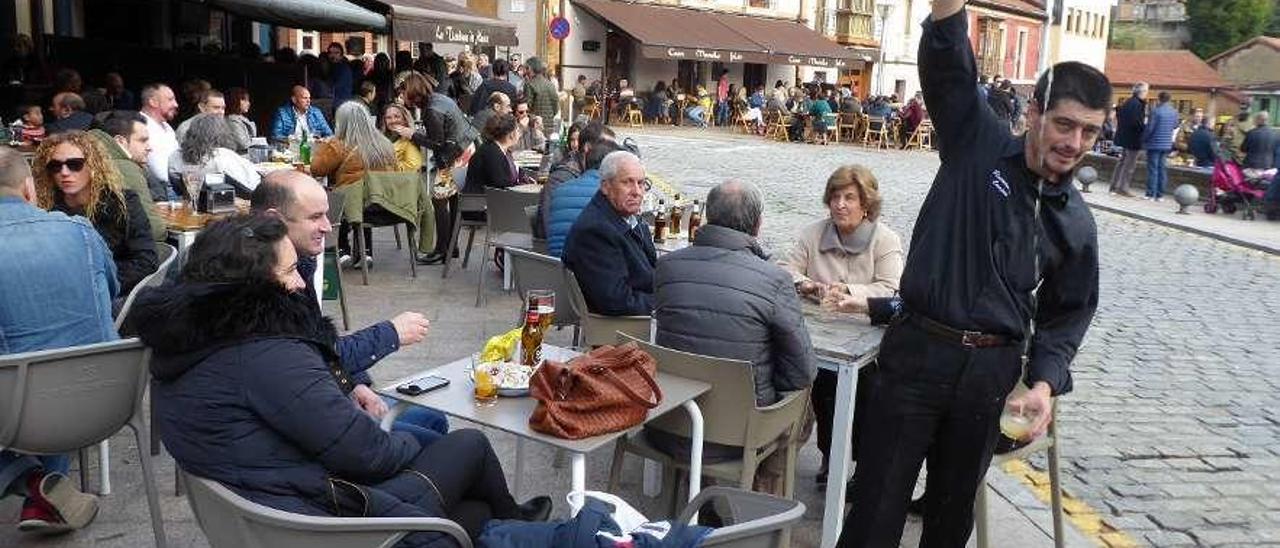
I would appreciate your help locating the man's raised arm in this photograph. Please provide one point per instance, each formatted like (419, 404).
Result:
(943, 9)
(949, 80)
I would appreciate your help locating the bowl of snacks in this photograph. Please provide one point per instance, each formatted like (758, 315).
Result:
(512, 378)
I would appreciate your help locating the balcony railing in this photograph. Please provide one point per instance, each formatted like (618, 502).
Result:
(854, 27)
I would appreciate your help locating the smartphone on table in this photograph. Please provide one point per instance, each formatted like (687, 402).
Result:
(422, 385)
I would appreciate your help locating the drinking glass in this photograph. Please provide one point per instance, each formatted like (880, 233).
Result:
(485, 386)
(546, 303)
(1015, 422)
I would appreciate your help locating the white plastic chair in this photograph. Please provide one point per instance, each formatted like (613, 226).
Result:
(63, 400)
(232, 521)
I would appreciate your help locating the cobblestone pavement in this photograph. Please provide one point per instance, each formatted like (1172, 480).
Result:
(1172, 432)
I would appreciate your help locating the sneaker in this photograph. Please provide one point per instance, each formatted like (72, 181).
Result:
(54, 505)
(344, 259)
(361, 263)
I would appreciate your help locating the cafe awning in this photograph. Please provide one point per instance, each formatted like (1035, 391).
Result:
(330, 15)
(666, 32)
(441, 22)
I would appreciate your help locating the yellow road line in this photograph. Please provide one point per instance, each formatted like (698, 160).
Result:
(1084, 518)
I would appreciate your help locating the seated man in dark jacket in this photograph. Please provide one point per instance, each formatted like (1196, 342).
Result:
(1203, 145)
(722, 297)
(609, 248)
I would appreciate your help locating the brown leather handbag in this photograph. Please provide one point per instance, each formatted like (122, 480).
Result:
(607, 390)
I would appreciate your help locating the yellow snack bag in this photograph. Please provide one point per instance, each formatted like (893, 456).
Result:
(500, 347)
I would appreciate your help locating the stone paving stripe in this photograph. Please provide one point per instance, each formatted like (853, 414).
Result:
(1083, 517)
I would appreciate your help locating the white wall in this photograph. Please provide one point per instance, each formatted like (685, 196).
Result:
(1073, 46)
(900, 41)
(526, 26)
(582, 27)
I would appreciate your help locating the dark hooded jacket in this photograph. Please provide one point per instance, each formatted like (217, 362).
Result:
(245, 395)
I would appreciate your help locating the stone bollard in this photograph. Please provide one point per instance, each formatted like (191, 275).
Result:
(1086, 175)
(1185, 195)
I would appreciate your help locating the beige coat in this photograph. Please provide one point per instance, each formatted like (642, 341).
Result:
(874, 272)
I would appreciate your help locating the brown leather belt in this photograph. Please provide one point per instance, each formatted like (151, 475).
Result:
(968, 339)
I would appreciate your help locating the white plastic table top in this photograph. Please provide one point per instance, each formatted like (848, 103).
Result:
(512, 414)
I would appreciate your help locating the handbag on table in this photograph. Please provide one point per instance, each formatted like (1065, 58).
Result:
(609, 389)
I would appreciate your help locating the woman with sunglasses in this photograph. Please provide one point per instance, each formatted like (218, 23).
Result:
(74, 175)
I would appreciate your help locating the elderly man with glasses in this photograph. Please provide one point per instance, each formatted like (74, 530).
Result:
(610, 248)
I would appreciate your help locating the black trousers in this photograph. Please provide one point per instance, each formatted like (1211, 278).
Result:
(344, 239)
(472, 488)
(929, 399)
(444, 222)
(823, 399)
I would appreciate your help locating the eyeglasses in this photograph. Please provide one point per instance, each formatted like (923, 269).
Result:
(54, 167)
(644, 183)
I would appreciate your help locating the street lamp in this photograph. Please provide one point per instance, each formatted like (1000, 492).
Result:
(883, 8)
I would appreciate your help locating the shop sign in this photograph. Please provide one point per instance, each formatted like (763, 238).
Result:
(462, 35)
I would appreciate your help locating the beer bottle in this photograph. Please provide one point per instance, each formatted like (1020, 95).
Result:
(660, 223)
(695, 219)
(531, 336)
(676, 213)
(304, 149)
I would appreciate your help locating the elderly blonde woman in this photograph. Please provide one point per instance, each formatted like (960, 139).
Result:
(841, 261)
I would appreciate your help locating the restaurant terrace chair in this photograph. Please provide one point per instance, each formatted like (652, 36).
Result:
(598, 329)
(876, 133)
(68, 399)
(778, 124)
(732, 419)
(506, 226)
(336, 208)
(531, 270)
(832, 121)
(635, 118)
(467, 203)
(592, 109)
(1049, 444)
(847, 123)
(750, 519)
(365, 202)
(232, 521)
(922, 137)
(167, 256)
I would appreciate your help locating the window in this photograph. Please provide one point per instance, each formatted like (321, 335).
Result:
(1020, 58)
(764, 4)
(308, 42)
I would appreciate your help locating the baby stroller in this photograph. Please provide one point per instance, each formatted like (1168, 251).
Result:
(1232, 191)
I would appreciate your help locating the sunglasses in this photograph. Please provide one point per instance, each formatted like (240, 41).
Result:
(54, 167)
(522, 112)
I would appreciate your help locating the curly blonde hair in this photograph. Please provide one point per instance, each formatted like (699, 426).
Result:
(104, 179)
(868, 188)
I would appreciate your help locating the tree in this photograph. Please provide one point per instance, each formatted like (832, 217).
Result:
(1217, 25)
(1274, 29)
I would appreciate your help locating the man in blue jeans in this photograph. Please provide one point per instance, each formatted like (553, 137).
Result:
(304, 206)
(1157, 138)
(59, 280)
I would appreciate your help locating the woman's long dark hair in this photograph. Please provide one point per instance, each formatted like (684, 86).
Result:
(237, 249)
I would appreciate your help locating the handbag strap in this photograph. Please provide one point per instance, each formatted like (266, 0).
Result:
(617, 381)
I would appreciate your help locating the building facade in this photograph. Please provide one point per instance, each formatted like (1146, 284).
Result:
(1150, 25)
(1081, 30)
(690, 42)
(1192, 82)
(1254, 67)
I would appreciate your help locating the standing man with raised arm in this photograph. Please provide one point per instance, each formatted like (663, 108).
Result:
(1001, 215)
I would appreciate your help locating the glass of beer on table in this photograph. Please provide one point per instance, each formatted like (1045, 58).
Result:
(546, 303)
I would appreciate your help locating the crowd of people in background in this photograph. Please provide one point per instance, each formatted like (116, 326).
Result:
(1155, 131)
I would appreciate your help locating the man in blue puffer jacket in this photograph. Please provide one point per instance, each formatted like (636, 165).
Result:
(1157, 138)
(569, 199)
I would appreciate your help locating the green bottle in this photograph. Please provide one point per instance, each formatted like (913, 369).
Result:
(304, 149)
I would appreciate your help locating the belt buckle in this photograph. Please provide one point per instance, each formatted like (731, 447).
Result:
(970, 339)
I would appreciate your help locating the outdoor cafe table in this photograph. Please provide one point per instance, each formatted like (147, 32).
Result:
(511, 415)
(843, 343)
(183, 222)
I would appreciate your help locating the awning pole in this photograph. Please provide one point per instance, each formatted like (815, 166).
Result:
(1043, 60)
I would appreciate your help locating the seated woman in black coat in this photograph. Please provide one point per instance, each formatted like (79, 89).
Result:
(74, 175)
(248, 393)
(492, 165)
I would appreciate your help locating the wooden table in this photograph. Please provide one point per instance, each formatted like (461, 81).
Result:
(184, 223)
(511, 415)
(531, 188)
(844, 343)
